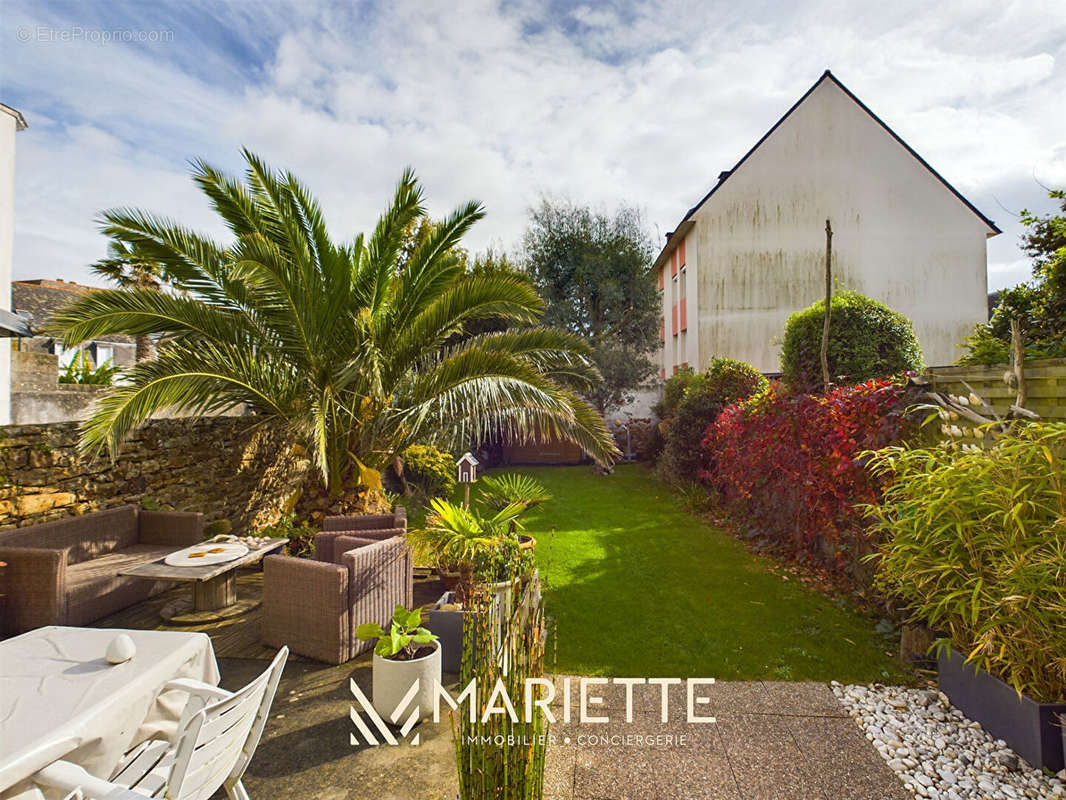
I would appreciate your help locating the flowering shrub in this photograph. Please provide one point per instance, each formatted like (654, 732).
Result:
(789, 466)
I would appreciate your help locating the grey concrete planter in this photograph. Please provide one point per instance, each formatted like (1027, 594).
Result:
(1028, 727)
(448, 625)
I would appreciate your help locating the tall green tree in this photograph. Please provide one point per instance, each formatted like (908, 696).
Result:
(1039, 304)
(130, 270)
(592, 271)
(349, 349)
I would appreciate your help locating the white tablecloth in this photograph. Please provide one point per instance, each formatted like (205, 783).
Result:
(60, 698)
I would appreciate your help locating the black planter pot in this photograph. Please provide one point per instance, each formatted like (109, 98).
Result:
(1028, 727)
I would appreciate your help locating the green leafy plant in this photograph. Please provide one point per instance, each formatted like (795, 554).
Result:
(867, 339)
(463, 538)
(354, 352)
(80, 370)
(404, 638)
(497, 492)
(300, 534)
(975, 546)
(430, 469)
(705, 395)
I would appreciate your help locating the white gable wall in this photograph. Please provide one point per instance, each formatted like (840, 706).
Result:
(900, 236)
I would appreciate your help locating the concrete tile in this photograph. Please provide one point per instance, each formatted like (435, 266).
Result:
(559, 772)
(802, 698)
(848, 766)
(623, 769)
(765, 760)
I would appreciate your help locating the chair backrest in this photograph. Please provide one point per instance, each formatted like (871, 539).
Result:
(216, 742)
(362, 522)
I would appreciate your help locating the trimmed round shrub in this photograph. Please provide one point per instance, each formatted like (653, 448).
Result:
(867, 339)
(724, 382)
(430, 469)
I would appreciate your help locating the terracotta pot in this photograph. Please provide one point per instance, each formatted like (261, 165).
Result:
(526, 542)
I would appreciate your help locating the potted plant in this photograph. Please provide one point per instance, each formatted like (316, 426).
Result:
(485, 554)
(405, 654)
(500, 491)
(973, 541)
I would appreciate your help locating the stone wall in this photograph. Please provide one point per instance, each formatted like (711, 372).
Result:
(227, 467)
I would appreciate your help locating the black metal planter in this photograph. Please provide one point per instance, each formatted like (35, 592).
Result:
(1028, 727)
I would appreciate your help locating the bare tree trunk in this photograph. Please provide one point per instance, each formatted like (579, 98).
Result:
(1018, 351)
(144, 347)
(828, 303)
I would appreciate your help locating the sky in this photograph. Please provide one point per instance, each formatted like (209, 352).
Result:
(599, 103)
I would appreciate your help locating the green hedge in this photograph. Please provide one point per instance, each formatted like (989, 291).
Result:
(698, 400)
(867, 339)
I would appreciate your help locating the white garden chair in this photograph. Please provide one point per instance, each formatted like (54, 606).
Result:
(215, 741)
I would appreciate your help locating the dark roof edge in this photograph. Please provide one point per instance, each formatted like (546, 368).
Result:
(828, 74)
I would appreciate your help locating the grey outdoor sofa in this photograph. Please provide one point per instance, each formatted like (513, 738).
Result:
(66, 572)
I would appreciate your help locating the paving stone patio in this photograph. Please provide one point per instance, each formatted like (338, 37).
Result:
(786, 741)
(771, 741)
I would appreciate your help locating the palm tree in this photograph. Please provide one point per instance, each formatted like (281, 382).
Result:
(128, 270)
(354, 355)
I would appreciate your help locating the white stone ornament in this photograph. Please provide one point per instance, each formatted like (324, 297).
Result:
(121, 649)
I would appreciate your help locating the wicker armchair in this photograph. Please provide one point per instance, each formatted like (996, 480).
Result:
(314, 606)
(365, 526)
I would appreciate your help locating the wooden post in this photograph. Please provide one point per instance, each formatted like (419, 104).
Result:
(828, 303)
(466, 495)
(1018, 352)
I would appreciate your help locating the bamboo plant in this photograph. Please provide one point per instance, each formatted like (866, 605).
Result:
(974, 544)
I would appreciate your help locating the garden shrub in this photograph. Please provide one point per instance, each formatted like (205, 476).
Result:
(703, 397)
(975, 546)
(430, 469)
(788, 467)
(673, 390)
(867, 340)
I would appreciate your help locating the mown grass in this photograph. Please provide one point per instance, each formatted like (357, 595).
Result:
(639, 587)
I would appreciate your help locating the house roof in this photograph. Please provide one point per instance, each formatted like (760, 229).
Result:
(20, 121)
(38, 300)
(826, 76)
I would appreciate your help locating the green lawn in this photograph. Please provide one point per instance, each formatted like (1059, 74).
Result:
(639, 587)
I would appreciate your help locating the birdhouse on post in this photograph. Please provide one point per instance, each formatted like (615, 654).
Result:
(467, 466)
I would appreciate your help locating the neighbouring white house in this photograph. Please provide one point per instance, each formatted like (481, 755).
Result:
(752, 251)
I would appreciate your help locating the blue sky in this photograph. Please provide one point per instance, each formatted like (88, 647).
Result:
(604, 103)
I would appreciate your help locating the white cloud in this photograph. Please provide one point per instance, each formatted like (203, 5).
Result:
(641, 103)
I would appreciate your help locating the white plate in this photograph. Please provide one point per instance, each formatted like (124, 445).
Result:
(229, 552)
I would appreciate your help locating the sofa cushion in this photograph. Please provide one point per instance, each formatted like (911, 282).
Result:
(87, 536)
(95, 589)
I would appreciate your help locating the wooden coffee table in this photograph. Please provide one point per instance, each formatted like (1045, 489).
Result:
(214, 586)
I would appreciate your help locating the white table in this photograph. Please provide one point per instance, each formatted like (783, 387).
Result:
(60, 698)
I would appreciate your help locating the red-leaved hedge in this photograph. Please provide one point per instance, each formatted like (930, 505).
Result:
(787, 465)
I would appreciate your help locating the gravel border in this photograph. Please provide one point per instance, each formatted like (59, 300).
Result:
(937, 752)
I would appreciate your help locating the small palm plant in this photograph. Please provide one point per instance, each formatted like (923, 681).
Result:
(499, 491)
(460, 537)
